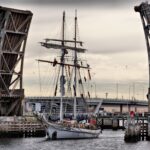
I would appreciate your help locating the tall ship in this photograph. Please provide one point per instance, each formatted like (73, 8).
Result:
(69, 80)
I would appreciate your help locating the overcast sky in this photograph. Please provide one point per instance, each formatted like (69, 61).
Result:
(69, 2)
(112, 32)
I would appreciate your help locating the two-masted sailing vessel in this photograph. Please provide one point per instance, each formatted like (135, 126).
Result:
(66, 129)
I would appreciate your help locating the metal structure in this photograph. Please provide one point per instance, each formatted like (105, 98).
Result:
(144, 10)
(48, 104)
(14, 27)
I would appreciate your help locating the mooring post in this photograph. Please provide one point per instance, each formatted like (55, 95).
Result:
(142, 129)
(129, 108)
(121, 108)
(148, 128)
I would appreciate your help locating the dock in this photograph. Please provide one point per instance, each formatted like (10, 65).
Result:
(21, 127)
(137, 131)
(30, 126)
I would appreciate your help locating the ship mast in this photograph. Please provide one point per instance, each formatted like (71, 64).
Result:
(49, 44)
(62, 78)
(75, 64)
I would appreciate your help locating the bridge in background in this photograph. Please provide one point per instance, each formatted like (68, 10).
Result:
(93, 102)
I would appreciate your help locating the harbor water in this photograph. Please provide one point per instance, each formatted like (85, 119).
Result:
(109, 140)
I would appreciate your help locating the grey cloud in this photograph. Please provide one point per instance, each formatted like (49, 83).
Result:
(120, 47)
(72, 2)
(112, 51)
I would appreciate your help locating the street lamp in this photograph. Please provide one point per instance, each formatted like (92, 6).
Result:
(117, 86)
(133, 91)
(129, 91)
(106, 95)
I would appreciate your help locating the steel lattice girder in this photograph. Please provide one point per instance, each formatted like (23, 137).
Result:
(144, 10)
(14, 27)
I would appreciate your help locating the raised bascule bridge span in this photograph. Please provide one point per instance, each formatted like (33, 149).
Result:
(144, 10)
(14, 27)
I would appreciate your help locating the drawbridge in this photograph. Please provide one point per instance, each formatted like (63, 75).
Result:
(144, 10)
(14, 27)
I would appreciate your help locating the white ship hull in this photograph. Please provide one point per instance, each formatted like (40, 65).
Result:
(55, 131)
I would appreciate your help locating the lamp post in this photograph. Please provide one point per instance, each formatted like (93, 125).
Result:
(133, 91)
(129, 91)
(95, 90)
(106, 95)
(143, 92)
(117, 86)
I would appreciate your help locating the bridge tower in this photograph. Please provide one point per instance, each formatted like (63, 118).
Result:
(14, 27)
(144, 10)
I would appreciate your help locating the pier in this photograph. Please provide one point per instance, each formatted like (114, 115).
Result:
(30, 127)
(111, 122)
(21, 127)
(136, 129)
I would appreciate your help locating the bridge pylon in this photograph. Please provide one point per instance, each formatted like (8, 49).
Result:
(14, 27)
(144, 10)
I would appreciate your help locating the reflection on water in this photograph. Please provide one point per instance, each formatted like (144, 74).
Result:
(109, 140)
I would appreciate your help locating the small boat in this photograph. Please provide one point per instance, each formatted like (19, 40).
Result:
(69, 129)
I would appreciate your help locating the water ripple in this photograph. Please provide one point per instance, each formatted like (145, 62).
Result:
(109, 140)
